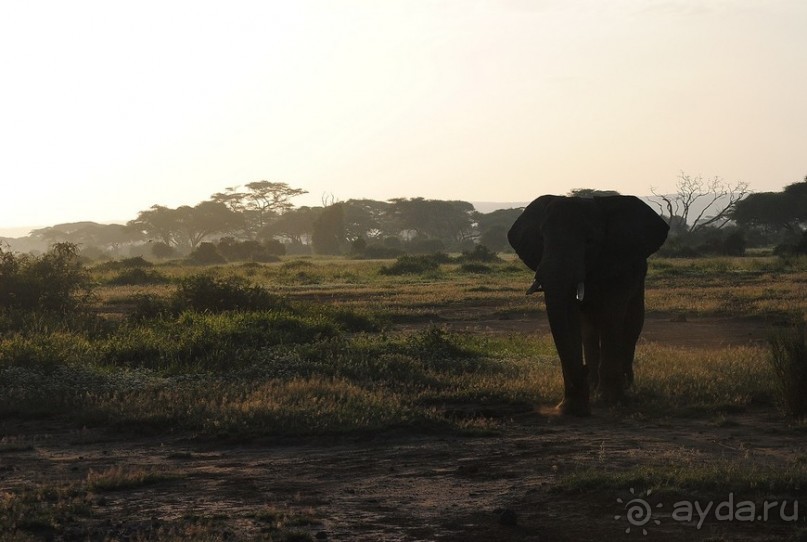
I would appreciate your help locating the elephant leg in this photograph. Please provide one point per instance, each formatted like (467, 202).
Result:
(591, 350)
(612, 355)
(634, 322)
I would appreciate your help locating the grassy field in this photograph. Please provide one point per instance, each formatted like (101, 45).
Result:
(312, 350)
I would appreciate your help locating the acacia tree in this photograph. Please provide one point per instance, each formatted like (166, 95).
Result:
(197, 223)
(260, 201)
(158, 222)
(715, 198)
(186, 226)
(265, 198)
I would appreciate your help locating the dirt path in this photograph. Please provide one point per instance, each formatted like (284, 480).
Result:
(673, 330)
(393, 487)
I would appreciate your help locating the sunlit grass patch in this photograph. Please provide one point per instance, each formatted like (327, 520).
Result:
(690, 380)
(691, 475)
(124, 477)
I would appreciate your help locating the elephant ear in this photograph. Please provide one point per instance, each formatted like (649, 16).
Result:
(525, 234)
(632, 229)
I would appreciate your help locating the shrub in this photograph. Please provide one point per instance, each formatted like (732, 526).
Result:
(358, 246)
(127, 263)
(267, 251)
(789, 361)
(480, 253)
(477, 268)
(381, 252)
(412, 265)
(137, 276)
(792, 249)
(55, 281)
(163, 250)
(206, 293)
(206, 254)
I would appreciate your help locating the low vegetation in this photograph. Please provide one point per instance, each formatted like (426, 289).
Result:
(334, 347)
(305, 346)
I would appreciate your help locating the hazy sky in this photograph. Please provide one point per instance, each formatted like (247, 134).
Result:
(109, 107)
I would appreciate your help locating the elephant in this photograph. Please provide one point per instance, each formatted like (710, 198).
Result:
(589, 256)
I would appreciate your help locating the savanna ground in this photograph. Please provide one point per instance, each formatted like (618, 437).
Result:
(351, 404)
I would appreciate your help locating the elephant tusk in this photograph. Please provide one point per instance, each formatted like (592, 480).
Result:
(581, 291)
(536, 287)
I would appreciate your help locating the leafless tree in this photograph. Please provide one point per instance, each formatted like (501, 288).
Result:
(715, 198)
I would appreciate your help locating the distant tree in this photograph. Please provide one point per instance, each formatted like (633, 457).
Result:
(205, 219)
(265, 198)
(186, 226)
(591, 193)
(717, 197)
(260, 203)
(232, 198)
(89, 234)
(329, 230)
(493, 227)
(295, 226)
(368, 218)
(158, 222)
(448, 221)
(775, 211)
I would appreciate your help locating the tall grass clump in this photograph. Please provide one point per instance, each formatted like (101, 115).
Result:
(789, 361)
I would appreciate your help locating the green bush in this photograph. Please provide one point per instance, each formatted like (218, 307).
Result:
(138, 276)
(413, 265)
(55, 281)
(481, 254)
(789, 361)
(205, 341)
(206, 254)
(206, 293)
(127, 263)
(256, 251)
(476, 268)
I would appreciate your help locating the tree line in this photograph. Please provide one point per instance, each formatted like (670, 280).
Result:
(259, 221)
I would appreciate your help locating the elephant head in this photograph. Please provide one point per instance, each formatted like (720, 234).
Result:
(586, 253)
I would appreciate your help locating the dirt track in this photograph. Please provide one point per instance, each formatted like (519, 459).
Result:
(400, 487)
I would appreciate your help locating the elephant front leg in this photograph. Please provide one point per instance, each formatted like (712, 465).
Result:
(612, 378)
(591, 350)
(634, 322)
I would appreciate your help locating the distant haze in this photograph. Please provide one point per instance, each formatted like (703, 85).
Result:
(107, 108)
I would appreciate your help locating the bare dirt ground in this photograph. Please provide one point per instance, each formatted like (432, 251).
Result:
(403, 487)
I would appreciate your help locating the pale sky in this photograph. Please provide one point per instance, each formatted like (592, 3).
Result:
(109, 107)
